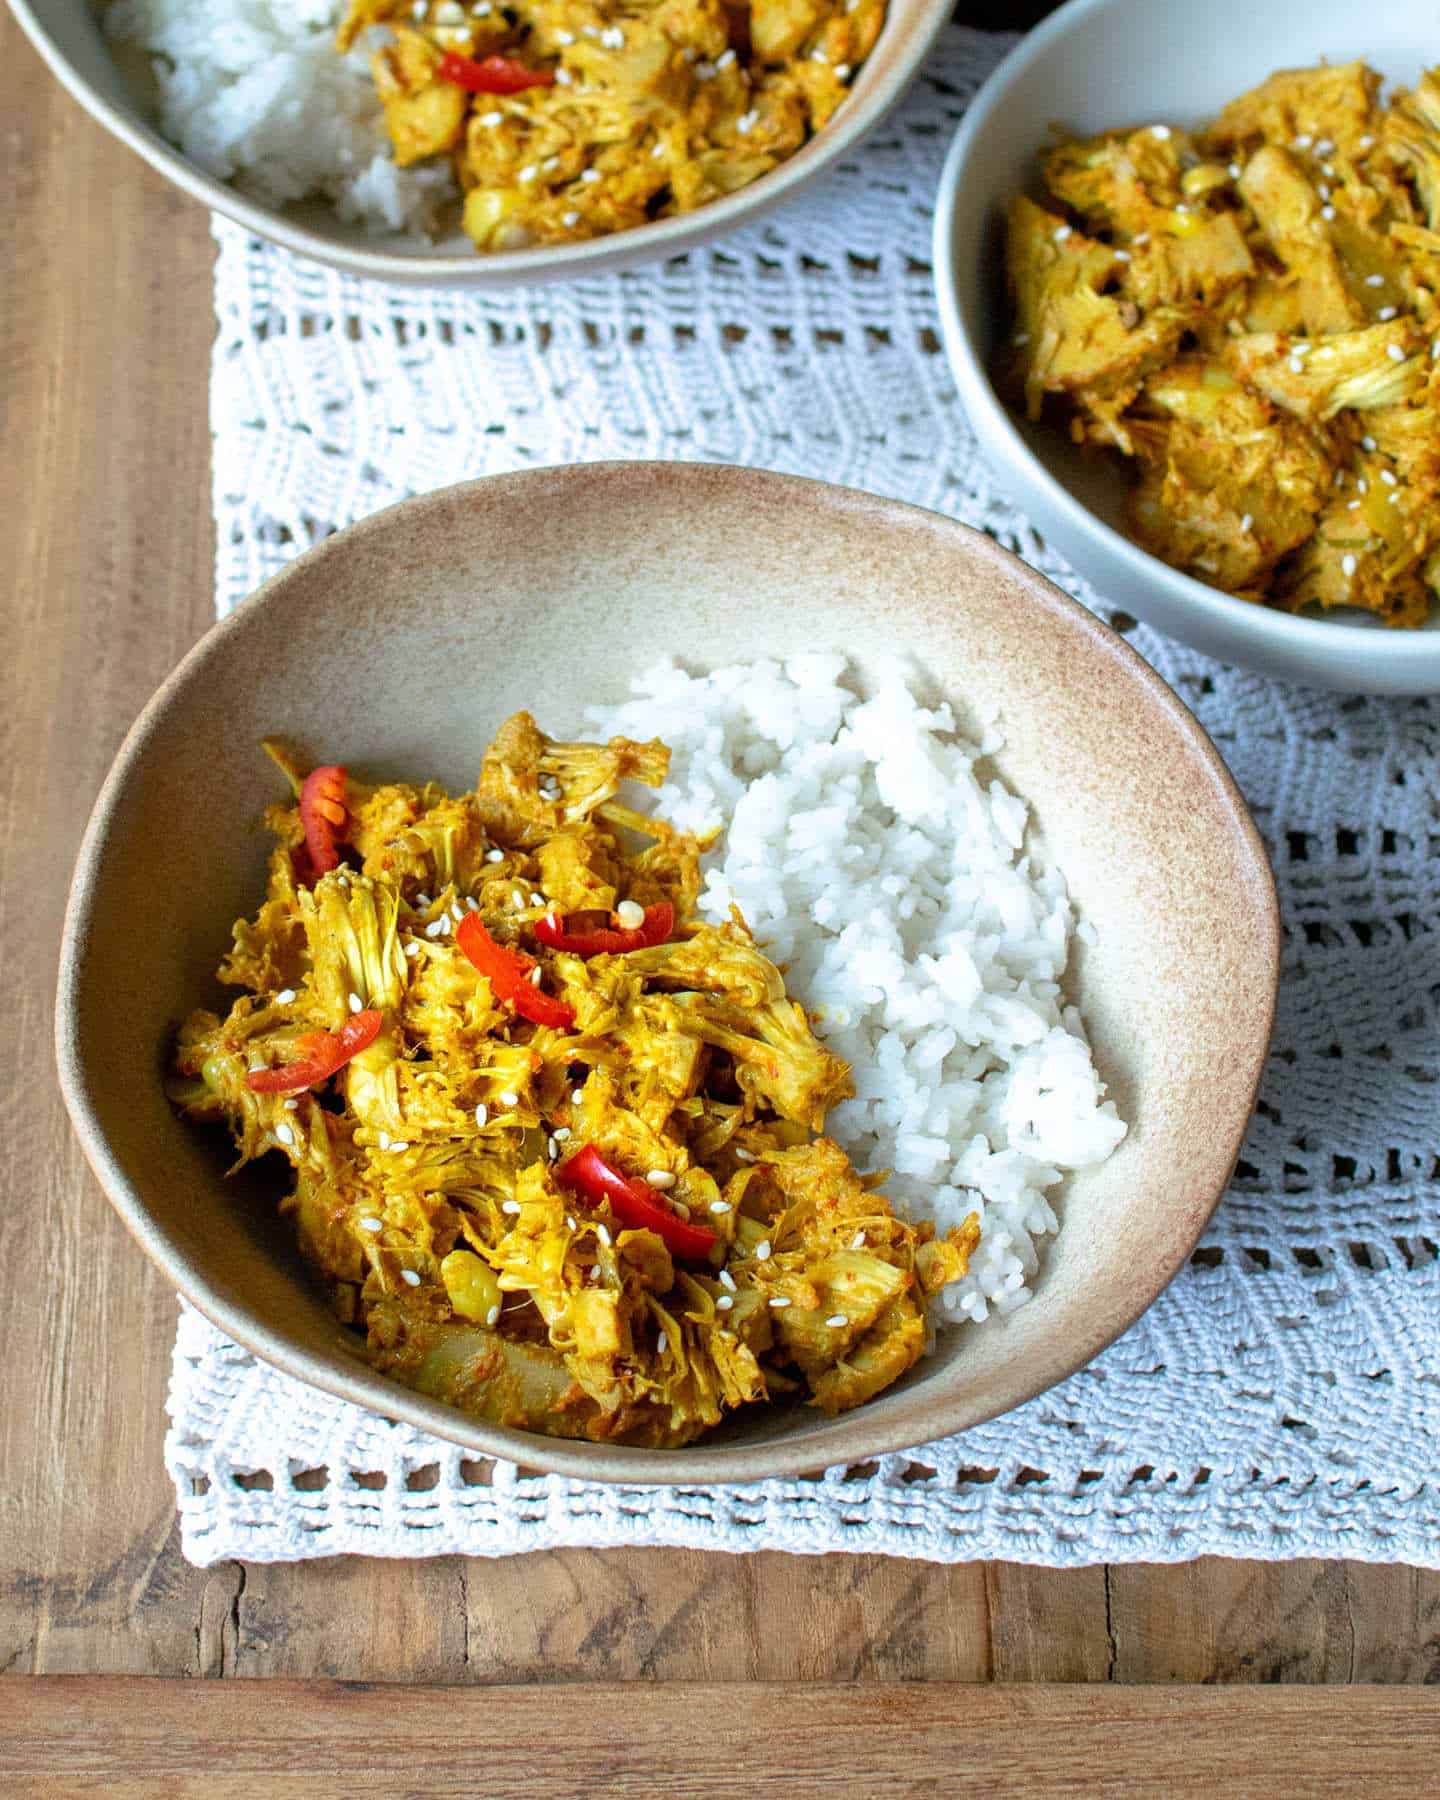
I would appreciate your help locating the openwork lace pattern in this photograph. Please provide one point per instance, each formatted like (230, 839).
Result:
(1283, 1398)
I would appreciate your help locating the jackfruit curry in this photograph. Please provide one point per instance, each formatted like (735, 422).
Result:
(568, 119)
(553, 1140)
(1250, 314)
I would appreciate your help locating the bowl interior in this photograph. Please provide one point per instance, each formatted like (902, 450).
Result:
(396, 647)
(115, 84)
(1102, 63)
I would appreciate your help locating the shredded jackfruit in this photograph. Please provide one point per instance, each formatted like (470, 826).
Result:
(426, 1174)
(1249, 314)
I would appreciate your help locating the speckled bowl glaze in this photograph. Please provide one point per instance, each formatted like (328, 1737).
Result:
(67, 36)
(397, 646)
(1095, 64)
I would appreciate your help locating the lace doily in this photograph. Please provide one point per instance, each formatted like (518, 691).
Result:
(1283, 1397)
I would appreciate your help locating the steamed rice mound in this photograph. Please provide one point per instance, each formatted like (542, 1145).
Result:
(886, 870)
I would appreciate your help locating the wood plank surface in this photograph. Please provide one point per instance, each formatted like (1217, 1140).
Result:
(131, 1737)
(105, 285)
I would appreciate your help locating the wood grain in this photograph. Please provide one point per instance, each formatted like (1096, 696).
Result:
(106, 509)
(129, 1737)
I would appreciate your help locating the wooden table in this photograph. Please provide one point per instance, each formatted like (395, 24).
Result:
(105, 507)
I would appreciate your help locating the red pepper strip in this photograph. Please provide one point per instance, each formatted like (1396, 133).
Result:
(508, 972)
(659, 923)
(633, 1203)
(494, 75)
(321, 1054)
(324, 814)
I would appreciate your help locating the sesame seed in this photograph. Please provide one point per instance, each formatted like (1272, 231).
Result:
(1367, 142)
(724, 1303)
(569, 219)
(510, 1097)
(743, 1155)
(1387, 313)
(1122, 256)
(517, 899)
(510, 1206)
(564, 37)
(858, 1241)
(589, 174)
(1234, 171)
(1181, 207)
(410, 1278)
(725, 59)
(457, 912)
(1374, 281)
(1327, 213)
(448, 13)
(661, 1343)
(492, 1318)
(1362, 486)
(435, 928)
(778, 1301)
(284, 1135)
(384, 1140)
(577, 1096)
(1388, 477)
(372, 1224)
(1348, 565)
(561, 1133)
(1247, 522)
(836, 1321)
(613, 38)
(535, 975)
(1297, 367)
(727, 1280)
(842, 71)
(1353, 506)
(1061, 233)
(482, 1116)
(1322, 190)
(1395, 498)
(529, 172)
(1160, 131)
(660, 1178)
(1325, 147)
(483, 10)
(569, 1222)
(630, 914)
(291, 1105)
(494, 856)
(719, 1206)
(602, 1231)
(564, 78)
(422, 901)
(356, 1004)
(412, 949)
(1020, 338)
(492, 118)
(1140, 239)
(1367, 443)
(471, 903)
(285, 996)
(418, 10)
(1304, 143)
(762, 1250)
(400, 1146)
(552, 1149)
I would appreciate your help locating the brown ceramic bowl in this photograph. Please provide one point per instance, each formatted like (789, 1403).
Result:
(398, 645)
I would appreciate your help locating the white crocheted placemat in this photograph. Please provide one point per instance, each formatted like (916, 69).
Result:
(1283, 1398)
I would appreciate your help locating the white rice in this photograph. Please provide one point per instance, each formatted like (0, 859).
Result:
(878, 862)
(255, 94)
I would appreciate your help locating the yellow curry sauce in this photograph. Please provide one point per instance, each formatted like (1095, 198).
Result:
(1249, 313)
(568, 119)
(553, 1140)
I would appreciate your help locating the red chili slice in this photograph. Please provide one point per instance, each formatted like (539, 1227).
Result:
(615, 941)
(633, 1203)
(508, 972)
(321, 1054)
(325, 814)
(492, 74)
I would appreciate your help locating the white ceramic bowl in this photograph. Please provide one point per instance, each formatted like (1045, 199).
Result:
(1099, 63)
(67, 36)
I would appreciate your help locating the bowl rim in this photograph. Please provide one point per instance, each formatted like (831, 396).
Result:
(1282, 633)
(655, 241)
(850, 1437)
